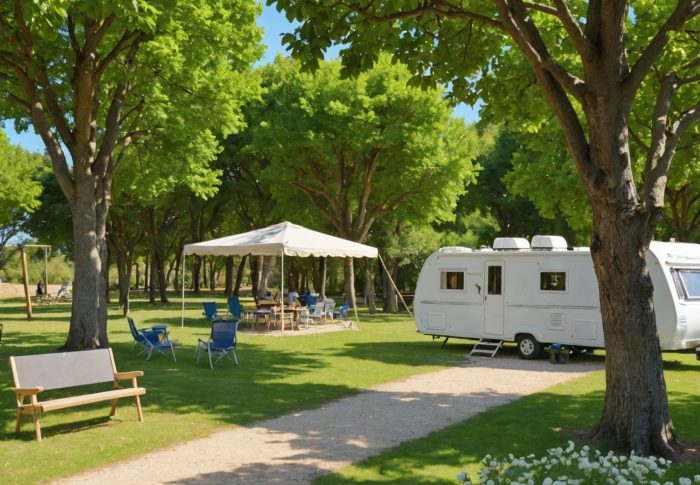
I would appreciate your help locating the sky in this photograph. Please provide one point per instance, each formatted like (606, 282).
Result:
(274, 25)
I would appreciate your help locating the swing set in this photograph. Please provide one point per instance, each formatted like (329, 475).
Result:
(45, 297)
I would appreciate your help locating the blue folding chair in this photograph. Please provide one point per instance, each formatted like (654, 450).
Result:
(152, 339)
(222, 342)
(210, 310)
(235, 308)
(342, 313)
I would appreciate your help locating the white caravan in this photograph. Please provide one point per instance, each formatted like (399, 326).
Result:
(546, 293)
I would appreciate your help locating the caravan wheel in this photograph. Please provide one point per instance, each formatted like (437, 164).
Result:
(528, 347)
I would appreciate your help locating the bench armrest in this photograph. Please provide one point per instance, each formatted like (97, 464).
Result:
(27, 391)
(128, 375)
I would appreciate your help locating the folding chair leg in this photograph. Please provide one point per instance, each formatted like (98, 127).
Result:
(235, 357)
(173, 350)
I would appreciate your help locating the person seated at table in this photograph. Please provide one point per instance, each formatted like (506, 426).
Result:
(40, 288)
(264, 294)
(303, 297)
(292, 296)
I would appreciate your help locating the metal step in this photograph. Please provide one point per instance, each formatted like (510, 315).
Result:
(487, 347)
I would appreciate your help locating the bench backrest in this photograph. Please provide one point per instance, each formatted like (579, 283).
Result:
(63, 369)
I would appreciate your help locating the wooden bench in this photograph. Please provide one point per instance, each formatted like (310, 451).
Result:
(36, 373)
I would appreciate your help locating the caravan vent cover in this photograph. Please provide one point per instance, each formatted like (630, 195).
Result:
(510, 244)
(455, 249)
(548, 243)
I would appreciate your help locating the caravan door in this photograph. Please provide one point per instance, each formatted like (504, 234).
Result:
(493, 298)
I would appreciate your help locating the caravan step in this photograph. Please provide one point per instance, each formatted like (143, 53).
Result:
(487, 347)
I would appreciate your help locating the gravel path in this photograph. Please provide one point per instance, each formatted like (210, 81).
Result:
(296, 448)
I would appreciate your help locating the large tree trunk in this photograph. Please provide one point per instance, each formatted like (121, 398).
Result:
(146, 273)
(162, 281)
(349, 282)
(368, 291)
(391, 304)
(239, 276)
(228, 277)
(154, 281)
(323, 271)
(124, 265)
(636, 413)
(88, 325)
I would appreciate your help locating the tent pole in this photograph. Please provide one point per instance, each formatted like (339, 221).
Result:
(182, 313)
(282, 293)
(395, 288)
(354, 307)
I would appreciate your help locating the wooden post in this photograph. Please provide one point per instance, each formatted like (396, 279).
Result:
(25, 275)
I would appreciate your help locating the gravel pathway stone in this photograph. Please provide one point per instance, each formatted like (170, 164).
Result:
(296, 448)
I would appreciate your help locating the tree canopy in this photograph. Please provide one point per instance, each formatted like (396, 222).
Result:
(608, 71)
(353, 150)
(95, 78)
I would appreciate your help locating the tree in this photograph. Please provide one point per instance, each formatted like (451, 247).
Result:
(20, 191)
(513, 210)
(95, 77)
(354, 150)
(594, 63)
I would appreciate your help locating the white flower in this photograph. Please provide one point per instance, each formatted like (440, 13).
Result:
(547, 481)
(462, 476)
(684, 481)
(696, 479)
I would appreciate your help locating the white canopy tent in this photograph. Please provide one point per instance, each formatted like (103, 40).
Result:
(283, 239)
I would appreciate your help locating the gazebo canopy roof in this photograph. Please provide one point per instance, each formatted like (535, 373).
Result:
(283, 238)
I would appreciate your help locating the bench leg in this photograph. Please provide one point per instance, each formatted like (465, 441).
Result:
(37, 425)
(19, 421)
(113, 412)
(139, 411)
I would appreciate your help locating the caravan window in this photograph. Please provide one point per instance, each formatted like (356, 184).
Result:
(688, 283)
(451, 280)
(552, 281)
(495, 280)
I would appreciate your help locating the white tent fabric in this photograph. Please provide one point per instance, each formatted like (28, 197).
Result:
(280, 239)
(283, 239)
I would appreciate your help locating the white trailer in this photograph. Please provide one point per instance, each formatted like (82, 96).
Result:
(545, 293)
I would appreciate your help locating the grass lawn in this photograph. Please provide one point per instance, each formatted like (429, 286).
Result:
(529, 425)
(281, 375)
(184, 401)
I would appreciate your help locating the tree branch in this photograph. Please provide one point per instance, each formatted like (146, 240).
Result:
(572, 27)
(553, 91)
(120, 46)
(657, 176)
(450, 11)
(630, 85)
(518, 23)
(646, 148)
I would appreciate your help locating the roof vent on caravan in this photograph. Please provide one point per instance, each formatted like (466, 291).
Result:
(510, 244)
(548, 243)
(455, 249)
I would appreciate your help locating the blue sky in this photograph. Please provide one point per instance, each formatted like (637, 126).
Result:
(274, 24)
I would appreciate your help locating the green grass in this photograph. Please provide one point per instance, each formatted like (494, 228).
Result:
(282, 375)
(529, 425)
(184, 401)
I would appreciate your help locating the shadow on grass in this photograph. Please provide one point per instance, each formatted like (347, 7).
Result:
(412, 352)
(229, 394)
